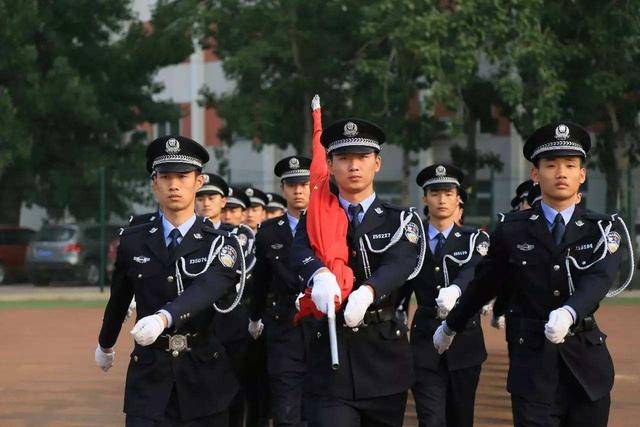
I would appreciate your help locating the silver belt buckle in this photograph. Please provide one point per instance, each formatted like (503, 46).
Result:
(177, 344)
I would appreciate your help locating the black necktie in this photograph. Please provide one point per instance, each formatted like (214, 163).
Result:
(173, 244)
(439, 245)
(354, 212)
(558, 229)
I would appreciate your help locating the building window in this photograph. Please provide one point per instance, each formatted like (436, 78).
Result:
(168, 128)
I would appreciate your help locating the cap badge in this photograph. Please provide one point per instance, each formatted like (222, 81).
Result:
(230, 191)
(350, 129)
(206, 178)
(562, 132)
(172, 146)
(270, 197)
(294, 163)
(441, 171)
(249, 192)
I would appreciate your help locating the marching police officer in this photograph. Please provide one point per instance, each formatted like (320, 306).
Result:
(559, 260)
(257, 211)
(211, 198)
(179, 372)
(386, 246)
(277, 205)
(445, 385)
(275, 289)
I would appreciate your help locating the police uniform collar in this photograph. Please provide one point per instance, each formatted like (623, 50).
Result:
(550, 213)
(366, 203)
(184, 228)
(433, 232)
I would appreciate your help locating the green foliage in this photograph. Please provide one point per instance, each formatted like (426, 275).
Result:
(77, 80)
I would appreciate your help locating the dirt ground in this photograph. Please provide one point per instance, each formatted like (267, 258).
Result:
(48, 377)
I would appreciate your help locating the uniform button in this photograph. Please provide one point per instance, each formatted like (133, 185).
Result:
(556, 267)
(398, 332)
(135, 359)
(277, 317)
(273, 303)
(438, 287)
(584, 262)
(521, 340)
(277, 257)
(139, 276)
(170, 279)
(524, 262)
(353, 253)
(600, 339)
(355, 329)
(556, 293)
(319, 335)
(216, 355)
(437, 269)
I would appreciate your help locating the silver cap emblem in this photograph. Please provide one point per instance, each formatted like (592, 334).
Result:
(294, 163)
(350, 129)
(172, 146)
(249, 192)
(441, 171)
(562, 132)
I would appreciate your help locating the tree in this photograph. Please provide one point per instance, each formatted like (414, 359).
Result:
(279, 54)
(77, 82)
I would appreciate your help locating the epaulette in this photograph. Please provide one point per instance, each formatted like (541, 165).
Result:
(595, 216)
(142, 218)
(125, 231)
(271, 222)
(467, 230)
(394, 207)
(516, 216)
(216, 232)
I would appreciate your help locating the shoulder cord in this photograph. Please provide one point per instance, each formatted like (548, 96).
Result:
(632, 265)
(404, 221)
(460, 262)
(213, 253)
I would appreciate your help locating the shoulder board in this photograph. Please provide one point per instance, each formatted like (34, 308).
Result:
(271, 222)
(468, 230)
(515, 216)
(225, 226)
(125, 231)
(394, 207)
(142, 219)
(595, 216)
(219, 232)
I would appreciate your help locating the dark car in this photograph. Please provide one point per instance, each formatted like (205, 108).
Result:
(14, 242)
(68, 252)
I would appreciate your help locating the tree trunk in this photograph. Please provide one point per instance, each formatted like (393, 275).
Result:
(406, 177)
(470, 180)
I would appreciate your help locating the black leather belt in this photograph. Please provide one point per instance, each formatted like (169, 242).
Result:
(380, 315)
(177, 344)
(432, 311)
(588, 323)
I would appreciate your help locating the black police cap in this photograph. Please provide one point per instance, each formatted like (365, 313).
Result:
(440, 176)
(352, 136)
(557, 139)
(293, 169)
(257, 197)
(237, 199)
(213, 184)
(534, 194)
(523, 188)
(175, 154)
(276, 201)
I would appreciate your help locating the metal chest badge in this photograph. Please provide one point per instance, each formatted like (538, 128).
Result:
(483, 248)
(613, 241)
(411, 232)
(228, 256)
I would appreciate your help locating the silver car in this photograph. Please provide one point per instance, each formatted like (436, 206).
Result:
(68, 252)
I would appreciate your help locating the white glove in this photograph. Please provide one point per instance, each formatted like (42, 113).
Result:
(325, 289)
(148, 329)
(131, 311)
(487, 308)
(104, 360)
(560, 320)
(498, 322)
(255, 328)
(297, 303)
(441, 339)
(357, 305)
(447, 297)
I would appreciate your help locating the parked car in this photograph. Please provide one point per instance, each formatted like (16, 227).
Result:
(14, 242)
(68, 252)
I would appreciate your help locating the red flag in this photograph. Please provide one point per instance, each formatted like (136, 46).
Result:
(327, 224)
